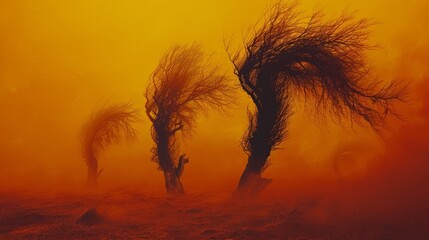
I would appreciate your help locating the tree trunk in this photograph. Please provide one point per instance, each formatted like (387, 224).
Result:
(172, 183)
(251, 181)
(92, 173)
(166, 163)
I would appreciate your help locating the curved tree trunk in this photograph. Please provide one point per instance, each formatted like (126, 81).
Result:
(259, 149)
(251, 182)
(172, 181)
(92, 172)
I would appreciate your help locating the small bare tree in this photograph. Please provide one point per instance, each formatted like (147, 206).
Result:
(181, 86)
(320, 60)
(110, 125)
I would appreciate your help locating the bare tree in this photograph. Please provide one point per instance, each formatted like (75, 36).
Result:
(182, 85)
(321, 62)
(110, 125)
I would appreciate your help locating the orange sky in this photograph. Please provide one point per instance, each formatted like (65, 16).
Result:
(62, 59)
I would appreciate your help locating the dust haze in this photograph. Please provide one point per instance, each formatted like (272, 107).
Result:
(59, 62)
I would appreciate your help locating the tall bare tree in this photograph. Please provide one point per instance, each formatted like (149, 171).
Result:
(110, 125)
(182, 85)
(320, 60)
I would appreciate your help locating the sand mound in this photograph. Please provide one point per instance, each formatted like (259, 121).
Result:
(90, 217)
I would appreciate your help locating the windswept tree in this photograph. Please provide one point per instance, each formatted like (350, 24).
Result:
(110, 125)
(183, 85)
(315, 60)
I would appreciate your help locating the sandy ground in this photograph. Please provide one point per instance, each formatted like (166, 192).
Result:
(131, 215)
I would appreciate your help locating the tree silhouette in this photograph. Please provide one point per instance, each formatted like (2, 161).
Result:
(319, 61)
(110, 125)
(182, 85)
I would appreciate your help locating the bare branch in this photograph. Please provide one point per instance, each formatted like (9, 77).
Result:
(322, 60)
(110, 125)
(183, 85)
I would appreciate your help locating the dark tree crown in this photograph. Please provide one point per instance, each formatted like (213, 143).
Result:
(322, 60)
(183, 85)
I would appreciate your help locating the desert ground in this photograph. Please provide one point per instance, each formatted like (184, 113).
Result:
(122, 214)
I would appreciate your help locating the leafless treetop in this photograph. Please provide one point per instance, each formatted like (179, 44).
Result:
(184, 84)
(321, 59)
(112, 124)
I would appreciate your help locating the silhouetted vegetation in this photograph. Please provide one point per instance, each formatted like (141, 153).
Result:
(110, 125)
(318, 60)
(182, 85)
